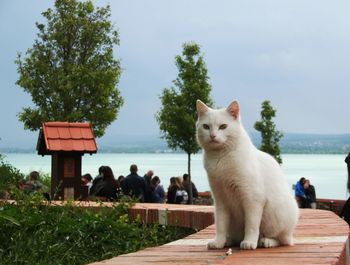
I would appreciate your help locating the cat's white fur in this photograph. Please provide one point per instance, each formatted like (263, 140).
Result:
(253, 203)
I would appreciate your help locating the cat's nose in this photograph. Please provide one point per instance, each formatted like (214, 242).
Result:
(212, 136)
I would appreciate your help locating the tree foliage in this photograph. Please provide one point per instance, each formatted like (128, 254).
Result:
(269, 135)
(70, 71)
(177, 117)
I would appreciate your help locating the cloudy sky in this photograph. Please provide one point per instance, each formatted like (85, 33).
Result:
(294, 53)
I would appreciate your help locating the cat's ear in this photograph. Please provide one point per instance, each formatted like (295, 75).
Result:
(233, 109)
(201, 108)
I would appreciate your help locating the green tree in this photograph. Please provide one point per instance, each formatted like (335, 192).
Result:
(177, 117)
(70, 71)
(270, 137)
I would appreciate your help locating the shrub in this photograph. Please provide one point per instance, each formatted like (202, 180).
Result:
(9, 177)
(37, 233)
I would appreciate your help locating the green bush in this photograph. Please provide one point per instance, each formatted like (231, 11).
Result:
(45, 179)
(9, 177)
(34, 233)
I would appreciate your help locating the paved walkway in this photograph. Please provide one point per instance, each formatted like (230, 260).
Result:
(320, 238)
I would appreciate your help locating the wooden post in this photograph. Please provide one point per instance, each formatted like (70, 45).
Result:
(66, 176)
(66, 142)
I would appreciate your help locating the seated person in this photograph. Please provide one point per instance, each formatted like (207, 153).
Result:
(300, 195)
(158, 193)
(187, 186)
(176, 192)
(33, 184)
(134, 185)
(107, 186)
(86, 180)
(310, 193)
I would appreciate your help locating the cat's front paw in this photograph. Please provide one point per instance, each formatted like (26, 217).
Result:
(216, 244)
(248, 245)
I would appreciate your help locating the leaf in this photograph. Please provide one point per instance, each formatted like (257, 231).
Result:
(10, 219)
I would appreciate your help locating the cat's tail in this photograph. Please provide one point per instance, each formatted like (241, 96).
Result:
(284, 240)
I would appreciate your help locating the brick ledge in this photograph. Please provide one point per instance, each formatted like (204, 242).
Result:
(321, 237)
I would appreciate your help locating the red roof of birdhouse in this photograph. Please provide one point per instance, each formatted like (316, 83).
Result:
(66, 137)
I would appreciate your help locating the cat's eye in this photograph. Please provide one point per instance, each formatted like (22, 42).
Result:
(206, 127)
(222, 126)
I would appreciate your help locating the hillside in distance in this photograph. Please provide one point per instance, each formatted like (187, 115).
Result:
(315, 144)
(290, 144)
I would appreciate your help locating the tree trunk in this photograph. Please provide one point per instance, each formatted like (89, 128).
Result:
(190, 195)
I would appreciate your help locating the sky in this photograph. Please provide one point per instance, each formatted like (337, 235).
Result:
(294, 53)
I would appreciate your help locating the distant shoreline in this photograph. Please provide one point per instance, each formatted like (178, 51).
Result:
(297, 152)
(291, 143)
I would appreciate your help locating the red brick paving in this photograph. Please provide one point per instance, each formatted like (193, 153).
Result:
(320, 238)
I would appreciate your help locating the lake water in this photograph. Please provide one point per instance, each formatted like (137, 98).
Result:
(328, 173)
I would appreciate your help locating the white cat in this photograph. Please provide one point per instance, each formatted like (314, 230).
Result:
(253, 203)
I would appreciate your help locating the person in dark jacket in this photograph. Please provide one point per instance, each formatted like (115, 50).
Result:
(149, 193)
(172, 189)
(108, 186)
(133, 185)
(347, 161)
(187, 185)
(158, 193)
(345, 213)
(310, 193)
(96, 180)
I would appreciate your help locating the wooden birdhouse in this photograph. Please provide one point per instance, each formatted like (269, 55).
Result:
(66, 142)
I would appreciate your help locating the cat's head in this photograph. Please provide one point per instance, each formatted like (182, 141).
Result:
(217, 128)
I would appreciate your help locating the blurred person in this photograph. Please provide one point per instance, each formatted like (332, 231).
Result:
(133, 185)
(181, 193)
(172, 189)
(33, 184)
(187, 186)
(108, 186)
(300, 192)
(345, 213)
(120, 179)
(310, 193)
(86, 180)
(158, 193)
(148, 193)
(96, 180)
(176, 192)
